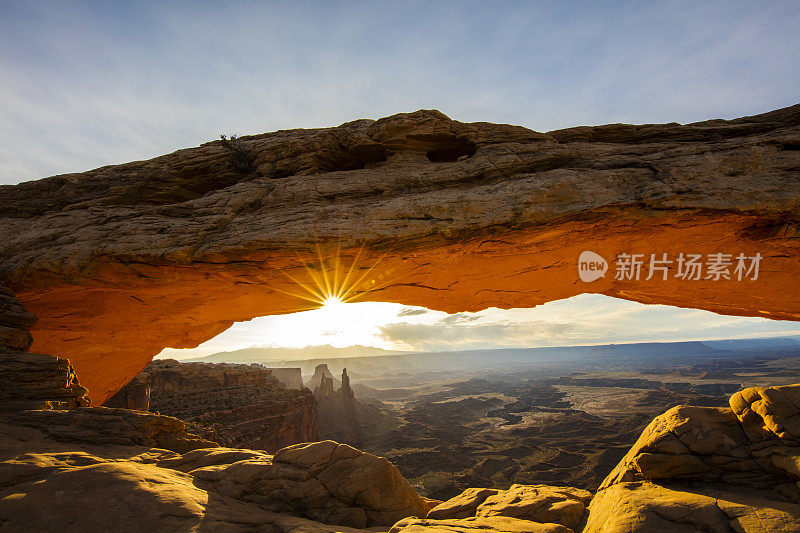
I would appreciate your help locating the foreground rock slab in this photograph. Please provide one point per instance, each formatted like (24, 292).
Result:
(98, 426)
(644, 507)
(102, 469)
(79, 492)
(710, 469)
(96, 469)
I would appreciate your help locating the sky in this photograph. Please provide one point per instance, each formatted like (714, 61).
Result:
(585, 319)
(85, 84)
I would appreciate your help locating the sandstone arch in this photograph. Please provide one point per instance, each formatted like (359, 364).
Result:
(122, 261)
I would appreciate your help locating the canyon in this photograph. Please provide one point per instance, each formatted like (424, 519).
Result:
(242, 406)
(426, 211)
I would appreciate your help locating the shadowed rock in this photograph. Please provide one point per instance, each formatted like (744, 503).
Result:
(37, 381)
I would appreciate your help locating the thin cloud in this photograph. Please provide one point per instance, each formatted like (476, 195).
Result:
(445, 335)
(412, 311)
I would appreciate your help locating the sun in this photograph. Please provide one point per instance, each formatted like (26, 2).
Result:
(332, 301)
(330, 283)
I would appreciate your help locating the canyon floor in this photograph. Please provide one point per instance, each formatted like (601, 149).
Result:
(573, 429)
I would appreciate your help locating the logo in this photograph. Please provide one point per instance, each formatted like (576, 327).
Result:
(591, 266)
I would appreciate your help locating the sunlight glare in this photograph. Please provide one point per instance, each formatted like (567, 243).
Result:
(332, 301)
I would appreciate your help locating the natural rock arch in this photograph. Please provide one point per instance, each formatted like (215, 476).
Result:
(125, 260)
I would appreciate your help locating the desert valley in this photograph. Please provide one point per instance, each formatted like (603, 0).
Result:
(521, 420)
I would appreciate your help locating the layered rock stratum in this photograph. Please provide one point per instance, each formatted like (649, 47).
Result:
(244, 406)
(452, 216)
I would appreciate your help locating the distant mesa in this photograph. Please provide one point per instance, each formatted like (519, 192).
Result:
(270, 354)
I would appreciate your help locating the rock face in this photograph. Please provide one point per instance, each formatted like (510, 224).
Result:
(345, 390)
(454, 216)
(324, 389)
(36, 381)
(235, 405)
(15, 322)
(31, 381)
(322, 371)
(342, 417)
(291, 378)
(134, 395)
(710, 469)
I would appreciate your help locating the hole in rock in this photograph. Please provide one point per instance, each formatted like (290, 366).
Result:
(452, 151)
(536, 390)
(587, 319)
(356, 158)
(790, 145)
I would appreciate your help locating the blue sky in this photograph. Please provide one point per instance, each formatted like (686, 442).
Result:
(91, 83)
(85, 84)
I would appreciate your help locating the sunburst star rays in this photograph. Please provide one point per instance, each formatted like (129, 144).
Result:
(329, 281)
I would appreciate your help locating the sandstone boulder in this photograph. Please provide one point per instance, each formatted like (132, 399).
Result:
(204, 457)
(633, 507)
(499, 524)
(79, 492)
(536, 503)
(324, 481)
(772, 409)
(710, 469)
(462, 506)
(539, 503)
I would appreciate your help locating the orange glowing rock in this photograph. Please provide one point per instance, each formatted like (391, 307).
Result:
(125, 260)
